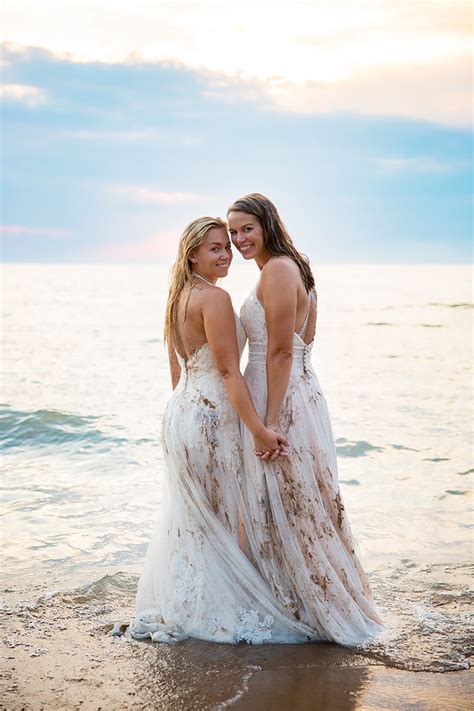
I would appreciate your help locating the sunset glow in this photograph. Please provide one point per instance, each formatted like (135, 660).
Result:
(306, 53)
(124, 121)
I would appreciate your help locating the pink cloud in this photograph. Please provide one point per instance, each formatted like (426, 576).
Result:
(160, 246)
(22, 231)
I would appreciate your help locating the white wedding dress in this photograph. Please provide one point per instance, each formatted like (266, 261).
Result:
(298, 533)
(299, 579)
(196, 581)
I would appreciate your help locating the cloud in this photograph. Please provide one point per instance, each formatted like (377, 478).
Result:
(161, 246)
(144, 195)
(369, 57)
(22, 231)
(350, 186)
(396, 88)
(438, 92)
(31, 96)
(418, 164)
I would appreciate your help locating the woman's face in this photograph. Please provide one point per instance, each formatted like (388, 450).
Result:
(213, 257)
(246, 234)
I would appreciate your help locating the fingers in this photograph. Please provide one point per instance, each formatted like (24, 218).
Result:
(264, 455)
(273, 455)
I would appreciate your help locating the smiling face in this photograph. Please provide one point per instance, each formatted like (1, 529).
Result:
(247, 236)
(213, 257)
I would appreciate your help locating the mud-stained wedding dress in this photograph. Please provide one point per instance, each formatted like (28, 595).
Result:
(298, 579)
(298, 533)
(196, 580)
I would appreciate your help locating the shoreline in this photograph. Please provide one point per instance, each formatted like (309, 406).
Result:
(60, 654)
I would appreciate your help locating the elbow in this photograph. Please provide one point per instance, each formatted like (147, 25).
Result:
(281, 356)
(226, 372)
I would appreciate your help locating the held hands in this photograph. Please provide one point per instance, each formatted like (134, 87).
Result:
(270, 443)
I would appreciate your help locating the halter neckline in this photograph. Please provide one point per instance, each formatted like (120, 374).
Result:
(199, 276)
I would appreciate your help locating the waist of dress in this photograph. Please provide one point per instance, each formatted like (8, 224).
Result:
(257, 355)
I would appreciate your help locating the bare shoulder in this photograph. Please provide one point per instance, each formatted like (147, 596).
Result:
(214, 297)
(279, 269)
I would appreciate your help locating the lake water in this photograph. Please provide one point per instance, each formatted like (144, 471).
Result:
(86, 382)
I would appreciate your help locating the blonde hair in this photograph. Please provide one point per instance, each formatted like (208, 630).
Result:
(276, 239)
(181, 271)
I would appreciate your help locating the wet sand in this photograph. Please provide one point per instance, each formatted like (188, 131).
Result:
(59, 654)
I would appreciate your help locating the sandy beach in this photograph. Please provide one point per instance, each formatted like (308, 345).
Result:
(58, 654)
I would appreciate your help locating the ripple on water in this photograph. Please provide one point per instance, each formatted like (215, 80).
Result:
(407, 449)
(347, 448)
(453, 306)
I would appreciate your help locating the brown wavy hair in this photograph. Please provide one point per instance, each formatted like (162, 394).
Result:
(181, 271)
(276, 239)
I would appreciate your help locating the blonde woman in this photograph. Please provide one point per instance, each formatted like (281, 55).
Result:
(299, 534)
(197, 582)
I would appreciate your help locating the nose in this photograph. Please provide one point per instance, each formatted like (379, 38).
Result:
(237, 238)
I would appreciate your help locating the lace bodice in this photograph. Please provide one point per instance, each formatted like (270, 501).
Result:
(201, 362)
(252, 317)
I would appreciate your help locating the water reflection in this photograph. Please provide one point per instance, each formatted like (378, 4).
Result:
(283, 677)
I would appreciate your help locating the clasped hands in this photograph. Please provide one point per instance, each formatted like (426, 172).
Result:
(270, 443)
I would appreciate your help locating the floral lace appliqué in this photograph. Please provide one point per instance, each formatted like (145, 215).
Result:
(182, 571)
(251, 629)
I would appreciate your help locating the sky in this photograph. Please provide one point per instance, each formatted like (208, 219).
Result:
(122, 122)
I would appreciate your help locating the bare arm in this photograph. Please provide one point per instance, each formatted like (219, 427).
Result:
(279, 286)
(175, 368)
(219, 326)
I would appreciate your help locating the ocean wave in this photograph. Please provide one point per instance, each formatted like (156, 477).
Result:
(426, 610)
(108, 587)
(38, 428)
